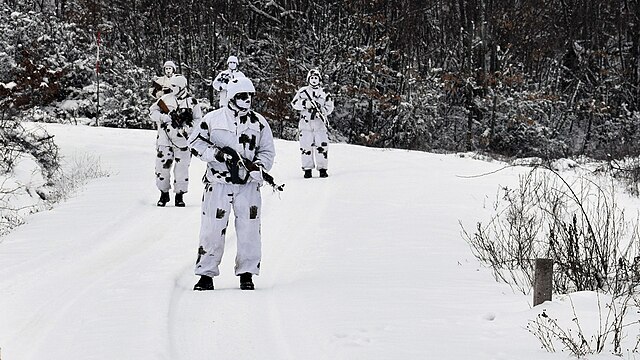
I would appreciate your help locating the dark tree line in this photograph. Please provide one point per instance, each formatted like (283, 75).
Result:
(543, 78)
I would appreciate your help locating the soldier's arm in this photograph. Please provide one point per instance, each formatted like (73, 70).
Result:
(298, 102)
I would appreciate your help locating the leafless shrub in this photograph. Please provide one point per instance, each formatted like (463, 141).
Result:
(548, 331)
(578, 225)
(65, 181)
(75, 174)
(581, 341)
(628, 171)
(16, 140)
(9, 215)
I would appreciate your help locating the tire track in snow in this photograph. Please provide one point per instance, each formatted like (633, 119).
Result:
(92, 280)
(226, 322)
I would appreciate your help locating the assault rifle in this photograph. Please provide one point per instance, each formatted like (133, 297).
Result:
(234, 161)
(317, 109)
(156, 87)
(178, 118)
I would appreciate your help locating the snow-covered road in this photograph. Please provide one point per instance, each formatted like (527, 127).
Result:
(366, 264)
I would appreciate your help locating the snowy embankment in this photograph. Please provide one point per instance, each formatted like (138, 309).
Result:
(366, 264)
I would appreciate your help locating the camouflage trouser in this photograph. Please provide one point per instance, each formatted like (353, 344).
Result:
(314, 144)
(217, 202)
(172, 157)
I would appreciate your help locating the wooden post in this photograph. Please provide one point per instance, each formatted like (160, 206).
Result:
(542, 283)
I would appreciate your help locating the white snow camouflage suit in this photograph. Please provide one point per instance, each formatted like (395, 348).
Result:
(160, 86)
(221, 81)
(172, 142)
(253, 140)
(313, 133)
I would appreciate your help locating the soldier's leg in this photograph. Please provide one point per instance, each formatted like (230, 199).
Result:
(306, 149)
(164, 161)
(216, 204)
(182, 160)
(322, 149)
(247, 205)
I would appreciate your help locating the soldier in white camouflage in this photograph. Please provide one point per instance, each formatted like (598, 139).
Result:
(162, 85)
(221, 81)
(237, 145)
(314, 105)
(175, 113)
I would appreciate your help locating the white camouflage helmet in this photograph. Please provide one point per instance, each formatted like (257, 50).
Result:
(170, 64)
(313, 72)
(179, 86)
(239, 85)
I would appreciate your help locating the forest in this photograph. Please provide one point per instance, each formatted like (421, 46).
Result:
(514, 78)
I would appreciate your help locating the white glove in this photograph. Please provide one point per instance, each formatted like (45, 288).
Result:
(308, 104)
(209, 154)
(257, 175)
(165, 118)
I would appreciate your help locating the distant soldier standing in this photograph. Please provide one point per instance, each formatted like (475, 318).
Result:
(162, 85)
(314, 105)
(222, 80)
(175, 114)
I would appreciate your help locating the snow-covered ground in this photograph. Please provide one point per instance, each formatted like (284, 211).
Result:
(366, 264)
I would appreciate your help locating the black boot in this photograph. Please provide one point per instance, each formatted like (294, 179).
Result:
(323, 173)
(164, 198)
(179, 200)
(307, 173)
(245, 282)
(205, 283)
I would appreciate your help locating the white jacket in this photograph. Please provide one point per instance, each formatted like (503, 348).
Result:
(160, 84)
(251, 138)
(304, 101)
(168, 134)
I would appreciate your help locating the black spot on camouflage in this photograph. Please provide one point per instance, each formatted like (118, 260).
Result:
(246, 140)
(200, 253)
(322, 151)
